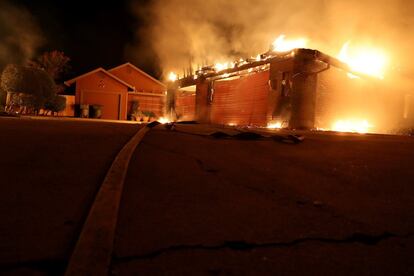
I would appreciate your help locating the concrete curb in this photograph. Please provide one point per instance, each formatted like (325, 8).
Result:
(93, 250)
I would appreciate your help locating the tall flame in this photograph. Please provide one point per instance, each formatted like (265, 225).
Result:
(364, 60)
(282, 45)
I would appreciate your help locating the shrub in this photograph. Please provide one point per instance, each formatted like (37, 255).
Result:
(35, 86)
(55, 104)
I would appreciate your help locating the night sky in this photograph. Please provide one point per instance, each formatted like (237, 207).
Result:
(92, 35)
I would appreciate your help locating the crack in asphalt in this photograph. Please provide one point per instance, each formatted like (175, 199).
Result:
(359, 238)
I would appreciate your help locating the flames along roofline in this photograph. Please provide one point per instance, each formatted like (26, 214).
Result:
(189, 81)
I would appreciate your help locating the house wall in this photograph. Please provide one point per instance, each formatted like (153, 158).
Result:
(185, 102)
(141, 82)
(69, 110)
(241, 101)
(203, 101)
(148, 102)
(254, 99)
(340, 97)
(99, 88)
(145, 85)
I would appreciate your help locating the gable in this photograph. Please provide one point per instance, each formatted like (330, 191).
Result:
(101, 74)
(138, 78)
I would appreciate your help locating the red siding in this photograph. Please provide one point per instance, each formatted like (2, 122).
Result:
(70, 106)
(242, 101)
(140, 81)
(148, 103)
(99, 88)
(185, 106)
(202, 103)
(110, 103)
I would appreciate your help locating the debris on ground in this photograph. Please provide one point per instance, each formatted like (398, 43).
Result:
(247, 135)
(170, 126)
(153, 124)
(291, 138)
(187, 122)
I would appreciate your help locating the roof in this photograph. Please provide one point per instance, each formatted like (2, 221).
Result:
(139, 70)
(100, 69)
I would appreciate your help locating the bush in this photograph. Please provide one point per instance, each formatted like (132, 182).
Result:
(56, 104)
(35, 86)
(3, 96)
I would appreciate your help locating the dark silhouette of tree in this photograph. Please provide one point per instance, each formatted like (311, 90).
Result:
(55, 63)
(27, 86)
(55, 104)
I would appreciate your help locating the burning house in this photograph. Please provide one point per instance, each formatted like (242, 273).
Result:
(296, 88)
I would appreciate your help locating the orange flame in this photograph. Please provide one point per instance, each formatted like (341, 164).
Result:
(282, 45)
(364, 60)
(356, 126)
(172, 77)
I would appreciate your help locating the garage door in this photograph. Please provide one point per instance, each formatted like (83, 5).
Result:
(185, 105)
(110, 102)
(242, 101)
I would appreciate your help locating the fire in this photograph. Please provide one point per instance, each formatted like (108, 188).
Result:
(223, 66)
(274, 125)
(163, 120)
(357, 126)
(172, 77)
(364, 60)
(282, 45)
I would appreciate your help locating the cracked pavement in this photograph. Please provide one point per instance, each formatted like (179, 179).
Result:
(336, 204)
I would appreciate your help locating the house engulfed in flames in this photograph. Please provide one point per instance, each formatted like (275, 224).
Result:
(297, 88)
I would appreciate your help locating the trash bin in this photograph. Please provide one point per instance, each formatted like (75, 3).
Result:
(84, 110)
(96, 111)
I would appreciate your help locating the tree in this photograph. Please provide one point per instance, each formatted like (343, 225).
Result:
(55, 104)
(55, 63)
(2, 99)
(33, 86)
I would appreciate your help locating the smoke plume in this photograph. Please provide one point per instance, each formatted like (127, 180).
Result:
(19, 34)
(203, 32)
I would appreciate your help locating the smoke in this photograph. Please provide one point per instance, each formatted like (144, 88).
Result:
(19, 34)
(202, 32)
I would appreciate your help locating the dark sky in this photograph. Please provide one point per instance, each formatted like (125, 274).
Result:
(91, 34)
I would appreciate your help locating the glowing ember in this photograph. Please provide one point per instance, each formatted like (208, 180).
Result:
(282, 45)
(172, 76)
(362, 126)
(364, 60)
(274, 125)
(163, 120)
(223, 66)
